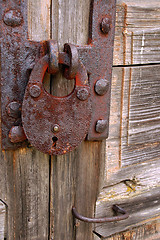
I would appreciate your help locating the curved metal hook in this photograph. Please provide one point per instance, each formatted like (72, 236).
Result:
(116, 208)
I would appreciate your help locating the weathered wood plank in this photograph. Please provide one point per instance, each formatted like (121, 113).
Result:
(144, 113)
(73, 175)
(132, 166)
(140, 177)
(137, 32)
(134, 120)
(39, 20)
(26, 194)
(133, 148)
(140, 115)
(3, 215)
(141, 207)
(148, 231)
(24, 177)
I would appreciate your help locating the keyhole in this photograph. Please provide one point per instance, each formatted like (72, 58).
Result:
(54, 139)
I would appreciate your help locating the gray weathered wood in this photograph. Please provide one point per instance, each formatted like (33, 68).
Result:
(137, 32)
(25, 180)
(24, 173)
(30, 180)
(74, 176)
(3, 215)
(148, 231)
(138, 118)
(141, 207)
(133, 148)
(128, 143)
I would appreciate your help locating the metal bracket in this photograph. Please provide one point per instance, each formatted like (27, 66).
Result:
(19, 58)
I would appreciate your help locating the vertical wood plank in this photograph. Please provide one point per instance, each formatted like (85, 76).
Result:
(24, 173)
(132, 163)
(3, 213)
(74, 176)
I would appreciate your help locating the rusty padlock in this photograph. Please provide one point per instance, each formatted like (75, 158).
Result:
(56, 125)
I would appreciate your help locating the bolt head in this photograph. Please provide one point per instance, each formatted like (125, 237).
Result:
(55, 128)
(101, 86)
(101, 126)
(13, 109)
(12, 18)
(17, 134)
(82, 94)
(35, 91)
(105, 25)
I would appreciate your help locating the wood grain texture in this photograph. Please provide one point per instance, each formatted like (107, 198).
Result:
(3, 212)
(137, 32)
(133, 148)
(148, 231)
(140, 115)
(141, 207)
(133, 160)
(39, 20)
(24, 173)
(134, 119)
(74, 176)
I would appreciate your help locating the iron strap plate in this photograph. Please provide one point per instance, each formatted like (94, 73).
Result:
(98, 59)
(19, 56)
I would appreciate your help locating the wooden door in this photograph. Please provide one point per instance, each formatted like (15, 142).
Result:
(133, 149)
(37, 191)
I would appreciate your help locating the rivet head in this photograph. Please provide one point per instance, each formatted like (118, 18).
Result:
(17, 134)
(55, 128)
(105, 25)
(12, 18)
(101, 126)
(13, 109)
(82, 94)
(35, 91)
(101, 86)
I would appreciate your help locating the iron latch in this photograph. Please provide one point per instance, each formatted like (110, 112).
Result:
(55, 125)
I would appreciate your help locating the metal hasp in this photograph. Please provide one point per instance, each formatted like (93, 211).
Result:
(97, 57)
(51, 124)
(18, 57)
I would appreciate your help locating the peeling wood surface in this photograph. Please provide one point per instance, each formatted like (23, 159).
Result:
(133, 148)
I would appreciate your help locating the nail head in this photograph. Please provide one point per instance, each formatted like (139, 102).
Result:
(101, 86)
(35, 91)
(105, 25)
(12, 18)
(82, 94)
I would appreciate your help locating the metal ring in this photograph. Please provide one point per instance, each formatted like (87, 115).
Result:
(116, 209)
(53, 66)
(71, 71)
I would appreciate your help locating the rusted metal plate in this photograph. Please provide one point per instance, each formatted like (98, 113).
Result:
(56, 125)
(18, 56)
(98, 59)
